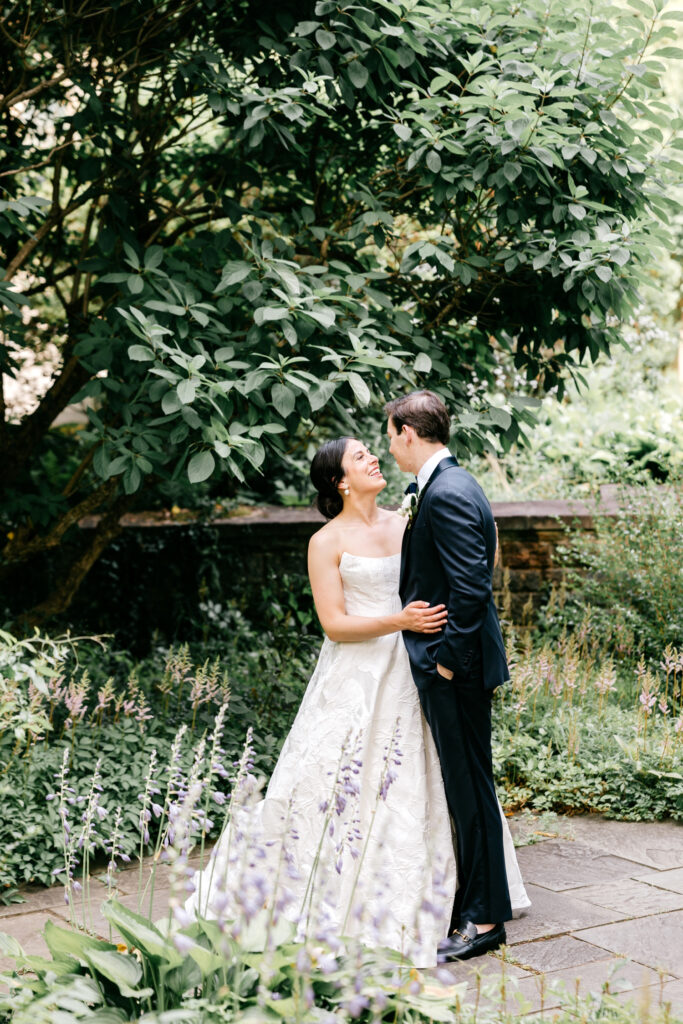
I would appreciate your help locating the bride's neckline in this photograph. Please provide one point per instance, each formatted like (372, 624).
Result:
(370, 558)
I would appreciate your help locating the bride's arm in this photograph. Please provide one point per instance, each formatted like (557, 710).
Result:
(328, 594)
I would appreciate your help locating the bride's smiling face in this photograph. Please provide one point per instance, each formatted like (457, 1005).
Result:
(362, 474)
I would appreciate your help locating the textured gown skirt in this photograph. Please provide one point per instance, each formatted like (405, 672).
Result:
(353, 837)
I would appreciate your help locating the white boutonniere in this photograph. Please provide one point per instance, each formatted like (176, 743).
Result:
(408, 507)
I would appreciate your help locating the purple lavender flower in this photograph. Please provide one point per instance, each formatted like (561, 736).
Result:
(356, 1004)
(183, 943)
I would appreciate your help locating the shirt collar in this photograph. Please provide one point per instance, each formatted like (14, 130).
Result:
(430, 465)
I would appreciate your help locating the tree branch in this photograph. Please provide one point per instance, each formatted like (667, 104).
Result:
(64, 593)
(20, 548)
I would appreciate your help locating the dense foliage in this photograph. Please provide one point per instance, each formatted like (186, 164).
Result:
(620, 427)
(233, 228)
(623, 583)
(110, 716)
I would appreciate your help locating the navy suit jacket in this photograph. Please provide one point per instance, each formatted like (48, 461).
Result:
(447, 558)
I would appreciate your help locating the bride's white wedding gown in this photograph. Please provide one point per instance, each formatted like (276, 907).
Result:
(381, 869)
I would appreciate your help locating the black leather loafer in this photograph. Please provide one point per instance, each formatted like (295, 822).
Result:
(466, 942)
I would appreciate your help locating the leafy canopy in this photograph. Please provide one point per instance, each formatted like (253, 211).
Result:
(236, 224)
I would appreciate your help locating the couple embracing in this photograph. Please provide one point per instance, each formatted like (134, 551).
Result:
(391, 747)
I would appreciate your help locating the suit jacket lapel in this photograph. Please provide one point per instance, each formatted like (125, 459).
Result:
(446, 463)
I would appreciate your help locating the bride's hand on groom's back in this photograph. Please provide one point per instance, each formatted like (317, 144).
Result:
(421, 617)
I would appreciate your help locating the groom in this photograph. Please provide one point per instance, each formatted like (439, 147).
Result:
(448, 553)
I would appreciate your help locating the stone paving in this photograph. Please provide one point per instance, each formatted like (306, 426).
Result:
(607, 910)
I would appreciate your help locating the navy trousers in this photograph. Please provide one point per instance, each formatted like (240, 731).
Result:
(459, 715)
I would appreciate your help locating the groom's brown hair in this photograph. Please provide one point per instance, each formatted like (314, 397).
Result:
(424, 412)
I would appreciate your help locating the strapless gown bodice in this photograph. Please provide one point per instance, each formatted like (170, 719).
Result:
(370, 584)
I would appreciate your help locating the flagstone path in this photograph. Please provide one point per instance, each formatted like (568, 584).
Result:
(607, 910)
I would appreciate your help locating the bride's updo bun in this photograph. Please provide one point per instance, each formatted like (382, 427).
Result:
(326, 472)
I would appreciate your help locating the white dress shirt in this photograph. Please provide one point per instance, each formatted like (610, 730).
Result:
(429, 466)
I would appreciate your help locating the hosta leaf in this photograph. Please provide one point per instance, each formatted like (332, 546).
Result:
(62, 941)
(123, 970)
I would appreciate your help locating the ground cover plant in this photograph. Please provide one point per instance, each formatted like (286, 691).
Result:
(250, 960)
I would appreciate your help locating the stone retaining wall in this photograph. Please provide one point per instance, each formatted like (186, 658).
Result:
(252, 542)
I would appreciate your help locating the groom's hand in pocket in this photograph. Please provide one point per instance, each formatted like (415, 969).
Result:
(445, 672)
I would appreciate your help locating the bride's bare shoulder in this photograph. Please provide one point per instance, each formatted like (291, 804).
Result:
(325, 541)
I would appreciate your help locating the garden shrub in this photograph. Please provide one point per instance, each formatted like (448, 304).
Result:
(624, 585)
(110, 714)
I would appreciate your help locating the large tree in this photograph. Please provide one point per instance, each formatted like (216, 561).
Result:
(235, 220)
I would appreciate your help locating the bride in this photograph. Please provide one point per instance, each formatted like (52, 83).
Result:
(353, 837)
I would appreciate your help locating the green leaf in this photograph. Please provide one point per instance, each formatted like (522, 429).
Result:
(403, 131)
(517, 127)
(124, 971)
(433, 161)
(200, 467)
(170, 403)
(325, 39)
(131, 479)
(266, 313)
(233, 273)
(423, 363)
(135, 284)
(542, 260)
(604, 272)
(501, 417)
(63, 941)
(359, 388)
(670, 52)
(319, 395)
(304, 28)
(117, 465)
(577, 211)
(322, 314)
(512, 171)
(10, 947)
(166, 307)
(283, 398)
(139, 932)
(186, 391)
(141, 354)
(153, 257)
(358, 74)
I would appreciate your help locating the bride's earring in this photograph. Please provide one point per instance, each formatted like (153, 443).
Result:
(346, 491)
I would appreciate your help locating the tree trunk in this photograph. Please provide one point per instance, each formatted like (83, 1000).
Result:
(62, 596)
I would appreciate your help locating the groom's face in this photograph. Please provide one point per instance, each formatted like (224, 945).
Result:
(399, 447)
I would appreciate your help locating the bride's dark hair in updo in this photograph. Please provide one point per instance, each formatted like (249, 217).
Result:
(326, 472)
